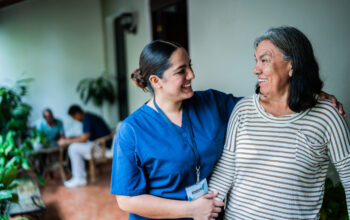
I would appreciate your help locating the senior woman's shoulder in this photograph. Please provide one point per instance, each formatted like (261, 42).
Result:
(326, 109)
(245, 102)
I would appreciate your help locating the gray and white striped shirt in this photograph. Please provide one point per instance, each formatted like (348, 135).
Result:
(275, 167)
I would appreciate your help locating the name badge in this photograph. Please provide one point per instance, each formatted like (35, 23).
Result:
(197, 190)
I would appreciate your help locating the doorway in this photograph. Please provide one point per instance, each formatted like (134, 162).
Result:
(169, 21)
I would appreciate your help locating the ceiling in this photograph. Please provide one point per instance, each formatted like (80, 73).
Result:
(6, 3)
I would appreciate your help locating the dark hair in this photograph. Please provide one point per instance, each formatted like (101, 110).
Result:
(305, 83)
(74, 109)
(154, 60)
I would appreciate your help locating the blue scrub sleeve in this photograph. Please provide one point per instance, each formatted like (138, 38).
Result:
(128, 177)
(226, 103)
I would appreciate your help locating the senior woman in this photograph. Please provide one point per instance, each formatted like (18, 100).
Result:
(280, 140)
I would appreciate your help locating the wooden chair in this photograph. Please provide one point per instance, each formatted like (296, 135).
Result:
(99, 153)
(63, 162)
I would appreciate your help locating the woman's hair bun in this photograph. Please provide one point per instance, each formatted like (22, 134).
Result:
(138, 79)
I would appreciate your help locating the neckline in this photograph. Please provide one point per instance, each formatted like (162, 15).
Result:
(277, 119)
(153, 111)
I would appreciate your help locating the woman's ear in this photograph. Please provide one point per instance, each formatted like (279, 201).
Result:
(154, 80)
(290, 73)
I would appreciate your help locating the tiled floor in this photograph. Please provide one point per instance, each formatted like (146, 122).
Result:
(91, 202)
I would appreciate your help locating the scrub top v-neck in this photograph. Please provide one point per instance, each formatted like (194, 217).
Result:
(149, 158)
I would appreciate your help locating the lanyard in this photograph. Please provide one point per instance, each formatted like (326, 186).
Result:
(193, 145)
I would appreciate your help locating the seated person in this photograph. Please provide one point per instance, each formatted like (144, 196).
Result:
(93, 127)
(51, 127)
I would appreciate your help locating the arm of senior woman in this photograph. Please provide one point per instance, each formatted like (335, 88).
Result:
(224, 170)
(159, 208)
(338, 136)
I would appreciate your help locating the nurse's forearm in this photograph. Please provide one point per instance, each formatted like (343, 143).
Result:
(154, 207)
(159, 208)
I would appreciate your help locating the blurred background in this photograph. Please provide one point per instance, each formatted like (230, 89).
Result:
(83, 51)
(58, 43)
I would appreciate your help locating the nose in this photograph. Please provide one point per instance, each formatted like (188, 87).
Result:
(190, 74)
(256, 69)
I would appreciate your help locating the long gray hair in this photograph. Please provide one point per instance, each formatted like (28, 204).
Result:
(305, 83)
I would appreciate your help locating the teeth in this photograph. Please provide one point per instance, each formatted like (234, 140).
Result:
(187, 85)
(262, 80)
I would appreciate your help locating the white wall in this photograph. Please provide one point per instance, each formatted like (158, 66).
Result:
(57, 42)
(134, 42)
(222, 35)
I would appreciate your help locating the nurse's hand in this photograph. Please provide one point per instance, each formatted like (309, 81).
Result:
(206, 208)
(336, 104)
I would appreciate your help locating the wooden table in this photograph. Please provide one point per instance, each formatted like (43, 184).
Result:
(54, 164)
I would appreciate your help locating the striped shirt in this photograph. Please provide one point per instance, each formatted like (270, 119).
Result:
(275, 167)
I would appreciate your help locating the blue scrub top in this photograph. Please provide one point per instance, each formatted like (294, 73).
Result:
(149, 158)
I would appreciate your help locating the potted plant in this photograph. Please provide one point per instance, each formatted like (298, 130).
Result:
(12, 158)
(39, 139)
(15, 141)
(14, 112)
(98, 90)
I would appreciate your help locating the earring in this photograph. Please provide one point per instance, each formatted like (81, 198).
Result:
(158, 86)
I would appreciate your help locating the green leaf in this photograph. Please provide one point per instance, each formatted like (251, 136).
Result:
(11, 162)
(5, 194)
(97, 90)
(10, 142)
(2, 171)
(14, 198)
(10, 175)
(9, 148)
(25, 164)
(41, 180)
(2, 161)
(13, 185)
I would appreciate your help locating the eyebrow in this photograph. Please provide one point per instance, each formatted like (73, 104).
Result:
(183, 66)
(262, 55)
(180, 67)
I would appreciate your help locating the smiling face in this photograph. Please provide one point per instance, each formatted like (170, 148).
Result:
(272, 70)
(176, 81)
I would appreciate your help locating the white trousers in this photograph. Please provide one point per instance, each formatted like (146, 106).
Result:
(76, 153)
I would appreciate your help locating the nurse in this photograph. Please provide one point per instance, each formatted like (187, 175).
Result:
(172, 142)
(166, 150)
